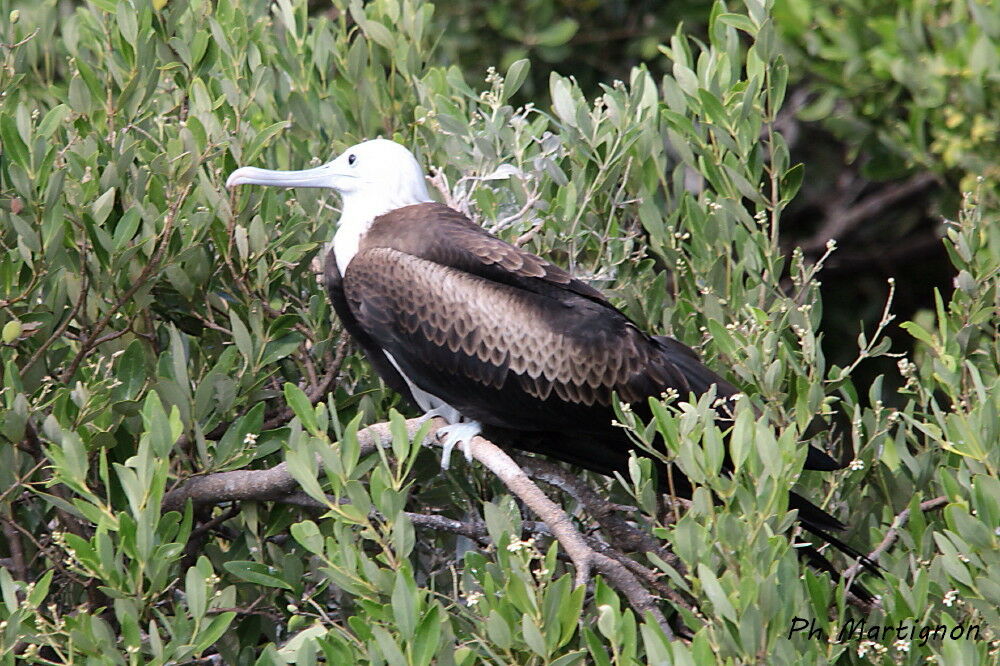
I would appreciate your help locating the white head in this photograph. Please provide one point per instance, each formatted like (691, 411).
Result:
(373, 178)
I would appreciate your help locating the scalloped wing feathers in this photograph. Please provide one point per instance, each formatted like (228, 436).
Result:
(495, 333)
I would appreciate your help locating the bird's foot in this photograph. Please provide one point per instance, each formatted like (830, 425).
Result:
(457, 433)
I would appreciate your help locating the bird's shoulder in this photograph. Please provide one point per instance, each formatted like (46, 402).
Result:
(439, 234)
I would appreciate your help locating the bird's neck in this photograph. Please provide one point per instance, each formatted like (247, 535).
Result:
(357, 217)
(354, 222)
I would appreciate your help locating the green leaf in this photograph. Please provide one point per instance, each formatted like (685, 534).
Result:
(157, 425)
(516, 74)
(13, 146)
(50, 123)
(127, 23)
(100, 209)
(379, 34)
(253, 148)
(740, 22)
(713, 108)
(498, 630)
(917, 331)
(404, 609)
(791, 181)
(214, 631)
(301, 462)
(125, 228)
(533, 636)
(428, 635)
(562, 100)
(235, 438)
(255, 572)
(308, 535)
(41, 590)
(275, 350)
(241, 336)
(388, 646)
(11, 331)
(195, 590)
(556, 34)
(303, 409)
(79, 95)
(720, 602)
(9, 590)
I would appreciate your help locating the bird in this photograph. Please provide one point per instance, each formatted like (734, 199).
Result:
(494, 339)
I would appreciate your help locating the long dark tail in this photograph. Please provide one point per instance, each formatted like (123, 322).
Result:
(820, 523)
(813, 519)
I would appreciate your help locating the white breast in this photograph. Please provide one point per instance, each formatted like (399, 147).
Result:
(348, 237)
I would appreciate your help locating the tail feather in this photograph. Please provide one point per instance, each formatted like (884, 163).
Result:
(818, 561)
(820, 523)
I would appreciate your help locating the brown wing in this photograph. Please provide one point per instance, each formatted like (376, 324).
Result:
(500, 353)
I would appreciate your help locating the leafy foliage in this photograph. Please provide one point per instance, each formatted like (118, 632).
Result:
(916, 83)
(156, 326)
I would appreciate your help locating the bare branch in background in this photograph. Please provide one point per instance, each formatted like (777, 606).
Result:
(840, 218)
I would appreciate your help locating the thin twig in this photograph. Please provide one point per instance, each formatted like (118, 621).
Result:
(624, 535)
(54, 557)
(473, 529)
(532, 199)
(651, 577)
(19, 568)
(113, 335)
(890, 537)
(150, 267)
(64, 324)
(638, 596)
(314, 393)
(24, 41)
(529, 234)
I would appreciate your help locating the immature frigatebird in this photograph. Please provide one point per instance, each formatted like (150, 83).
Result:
(491, 337)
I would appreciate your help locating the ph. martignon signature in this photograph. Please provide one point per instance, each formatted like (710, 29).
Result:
(860, 630)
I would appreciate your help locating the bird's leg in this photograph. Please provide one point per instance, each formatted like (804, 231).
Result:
(444, 411)
(458, 433)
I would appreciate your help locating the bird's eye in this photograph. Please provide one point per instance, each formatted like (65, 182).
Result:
(351, 159)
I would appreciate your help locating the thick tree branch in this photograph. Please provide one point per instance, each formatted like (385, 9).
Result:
(269, 485)
(276, 484)
(18, 566)
(472, 529)
(501, 464)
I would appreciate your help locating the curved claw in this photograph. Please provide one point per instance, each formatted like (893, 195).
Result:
(457, 433)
